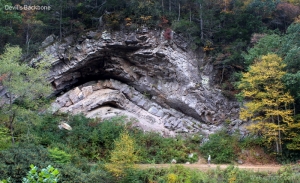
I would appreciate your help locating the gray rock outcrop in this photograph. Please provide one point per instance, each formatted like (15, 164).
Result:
(140, 75)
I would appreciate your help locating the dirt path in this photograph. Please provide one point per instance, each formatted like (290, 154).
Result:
(205, 167)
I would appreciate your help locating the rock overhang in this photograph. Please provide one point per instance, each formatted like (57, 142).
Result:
(165, 79)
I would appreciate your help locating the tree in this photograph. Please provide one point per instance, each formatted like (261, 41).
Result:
(8, 20)
(284, 15)
(267, 44)
(123, 156)
(263, 8)
(269, 103)
(30, 25)
(25, 86)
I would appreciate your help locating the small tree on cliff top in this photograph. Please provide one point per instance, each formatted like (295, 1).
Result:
(269, 103)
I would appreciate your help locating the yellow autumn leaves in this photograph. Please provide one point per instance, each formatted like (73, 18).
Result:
(124, 155)
(267, 103)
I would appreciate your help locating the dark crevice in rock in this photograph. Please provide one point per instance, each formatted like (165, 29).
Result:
(111, 104)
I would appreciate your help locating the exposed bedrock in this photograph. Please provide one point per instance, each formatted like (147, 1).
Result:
(140, 75)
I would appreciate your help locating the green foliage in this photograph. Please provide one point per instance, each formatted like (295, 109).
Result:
(14, 161)
(153, 148)
(231, 174)
(178, 173)
(8, 20)
(24, 84)
(265, 45)
(71, 173)
(190, 31)
(143, 12)
(141, 176)
(233, 50)
(289, 173)
(48, 175)
(250, 141)
(21, 81)
(221, 146)
(59, 156)
(93, 139)
(174, 174)
(14, 164)
(290, 49)
(264, 9)
(4, 138)
(239, 27)
(287, 47)
(5, 180)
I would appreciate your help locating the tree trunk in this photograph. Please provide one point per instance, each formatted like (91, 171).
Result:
(178, 11)
(11, 116)
(27, 40)
(11, 127)
(190, 15)
(279, 135)
(60, 22)
(277, 146)
(201, 21)
(294, 109)
(222, 74)
(225, 5)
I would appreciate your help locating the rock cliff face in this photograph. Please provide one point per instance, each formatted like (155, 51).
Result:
(141, 75)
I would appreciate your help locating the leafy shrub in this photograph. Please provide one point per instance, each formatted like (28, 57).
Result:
(94, 140)
(221, 146)
(14, 161)
(76, 159)
(288, 156)
(59, 156)
(14, 164)
(47, 175)
(4, 138)
(135, 176)
(250, 141)
(267, 44)
(231, 174)
(181, 174)
(99, 176)
(171, 178)
(175, 174)
(91, 138)
(70, 173)
(153, 148)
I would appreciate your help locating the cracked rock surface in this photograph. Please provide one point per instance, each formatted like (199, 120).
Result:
(140, 75)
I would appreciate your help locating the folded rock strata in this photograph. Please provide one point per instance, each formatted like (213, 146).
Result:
(141, 75)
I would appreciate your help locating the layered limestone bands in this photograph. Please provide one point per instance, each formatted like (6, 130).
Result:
(140, 75)
(105, 99)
